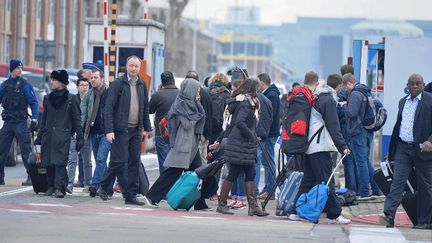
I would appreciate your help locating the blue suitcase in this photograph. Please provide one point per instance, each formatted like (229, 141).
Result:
(185, 192)
(289, 190)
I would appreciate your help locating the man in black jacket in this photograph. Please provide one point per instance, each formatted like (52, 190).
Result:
(126, 113)
(272, 93)
(411, 146)
(160, 103)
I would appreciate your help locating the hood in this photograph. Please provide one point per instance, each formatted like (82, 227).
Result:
(216, 87)
(325, 89)
(272, 88)
(362, 88)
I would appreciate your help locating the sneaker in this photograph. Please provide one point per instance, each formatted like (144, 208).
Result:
(240, 204)
(377, 195)
(93, 191)
(69, 188)
(364, 198)
(86, 189)
(103, 195)
(117, 188)
(150, 203)
(79, 184)
(339, 220)
(294, 217)
(27, 182)
(232, 203)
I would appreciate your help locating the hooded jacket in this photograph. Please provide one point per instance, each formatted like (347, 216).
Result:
(272, 93)
(355, 110)
(330, 139)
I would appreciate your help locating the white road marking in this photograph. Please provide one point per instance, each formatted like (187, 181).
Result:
(49, 205)
(117, 214)
(132, 209)
(376, 235)
(17, 191)
(27, 211)
(196, 217)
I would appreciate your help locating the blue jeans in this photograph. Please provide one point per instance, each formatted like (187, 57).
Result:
(351, 175)
(238, 188)
(270, 179)
(361, 145)
(162, 149)
(101, 148)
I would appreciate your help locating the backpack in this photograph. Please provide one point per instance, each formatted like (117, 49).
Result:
(295, 121)
(375, 114)
(218, 108)
(346, 197)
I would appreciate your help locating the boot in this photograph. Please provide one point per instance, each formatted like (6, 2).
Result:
(254, 209)
(222, 207)
(27, 182)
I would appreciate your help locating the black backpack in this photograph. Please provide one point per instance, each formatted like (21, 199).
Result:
(218, 108)
(295, 121)
(375, 114)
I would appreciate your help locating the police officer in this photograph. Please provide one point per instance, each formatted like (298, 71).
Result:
(16, 95)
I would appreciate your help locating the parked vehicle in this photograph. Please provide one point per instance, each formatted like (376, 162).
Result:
(4, 70)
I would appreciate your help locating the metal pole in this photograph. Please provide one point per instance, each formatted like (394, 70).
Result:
(112, 51)
(105, 21)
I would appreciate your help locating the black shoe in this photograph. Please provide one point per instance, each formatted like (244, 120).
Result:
(2, 183)
(103, 195)
(422, 226)
(69, 189)
(387, 221)
(93, 191)
(201, 205)
(58, 194)
(27, 182)
(50, 191)
(134, 201)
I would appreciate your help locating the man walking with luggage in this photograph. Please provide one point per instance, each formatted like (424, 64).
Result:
(16, 95)
(126, 113)
(318, 163)
(411, 146)
(160, 103)
(91, 120)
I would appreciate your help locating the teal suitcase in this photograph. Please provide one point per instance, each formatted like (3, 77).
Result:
(185, 192)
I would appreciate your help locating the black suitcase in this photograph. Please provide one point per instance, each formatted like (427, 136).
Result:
(409, 200)
(38, 174)
(144, 184)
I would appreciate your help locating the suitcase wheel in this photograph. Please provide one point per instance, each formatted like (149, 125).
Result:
(315, 222)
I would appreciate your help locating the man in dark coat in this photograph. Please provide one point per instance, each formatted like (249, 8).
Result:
(160, 103)
(60, 120)
(411, 147)
(272, 93)
(126, 112)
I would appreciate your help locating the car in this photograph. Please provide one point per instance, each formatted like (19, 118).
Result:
(4, 70)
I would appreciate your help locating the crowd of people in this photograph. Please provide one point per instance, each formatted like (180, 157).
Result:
(236, 119)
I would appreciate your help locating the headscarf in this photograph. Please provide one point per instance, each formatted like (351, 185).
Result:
(187, 105)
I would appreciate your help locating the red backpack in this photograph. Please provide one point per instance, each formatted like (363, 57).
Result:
(295, 121)
(163, 129)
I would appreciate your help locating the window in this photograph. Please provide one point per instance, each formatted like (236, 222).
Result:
(8, 5)
(51, 12)
(24, 7)
(38, 9)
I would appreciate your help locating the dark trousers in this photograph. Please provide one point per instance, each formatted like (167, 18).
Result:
(57, 177)
(405, 159)
(318, 168)
(234, 171)
(21, 132)
(168, 178)
(126, 148)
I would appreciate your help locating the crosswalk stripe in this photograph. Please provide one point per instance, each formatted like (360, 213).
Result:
(27, 211)
(376, 234)
(16, 191)
(49, 205)
(198, 217)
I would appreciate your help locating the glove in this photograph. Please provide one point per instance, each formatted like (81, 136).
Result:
(79, 144)
(33, 125)
(38, 139)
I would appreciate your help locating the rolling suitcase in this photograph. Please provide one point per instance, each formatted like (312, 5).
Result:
(185, 192)
(144, 184)
(37, 172)
(289, 190)
(384, 177)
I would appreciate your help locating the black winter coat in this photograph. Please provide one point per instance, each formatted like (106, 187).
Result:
(117, 106)
(60, 120)
(207, 105)
(161, 102)
(240, 148)
(266, 117)
(272, 93)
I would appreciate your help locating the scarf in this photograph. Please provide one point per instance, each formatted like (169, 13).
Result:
(58, 97)
(98, 94)
(253, 101)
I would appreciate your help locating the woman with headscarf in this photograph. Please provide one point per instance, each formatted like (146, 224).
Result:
(186, 120)
(240, 148)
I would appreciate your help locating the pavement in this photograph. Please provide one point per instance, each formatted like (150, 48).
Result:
(25, 216)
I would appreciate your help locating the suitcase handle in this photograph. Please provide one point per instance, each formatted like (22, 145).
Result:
(334, 171)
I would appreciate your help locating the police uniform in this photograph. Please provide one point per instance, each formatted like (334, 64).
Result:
(16, 95)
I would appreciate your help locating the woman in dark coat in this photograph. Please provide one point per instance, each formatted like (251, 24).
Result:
(240, 148)
(61, 119)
